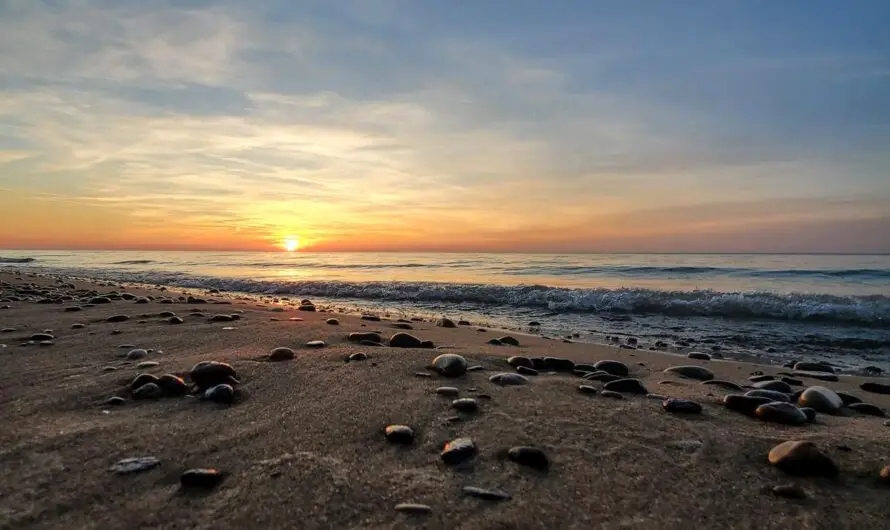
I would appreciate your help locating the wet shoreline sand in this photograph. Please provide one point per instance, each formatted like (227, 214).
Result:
(303, 446)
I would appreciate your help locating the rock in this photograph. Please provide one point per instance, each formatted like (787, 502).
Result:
(682, 406)
(142, 379)
(611, 394)
(692, 372)
(423, 375)
(868, 409)
(115, 401)
(802, 458)
(789, 491)
(73, 309)
(885, 475)
(281, 353)
(370, 318)
(821, 399)
(360, 336)
(772, 395)
(848, 399)
(399, 434)
(207, 374)
(810, 414)
(99, 300)
(525, 370)
(147, 364)
(495, 342)
(332, 322)
(744, 404)
(135, 465)
(371, 344)
(486, 494)
(586, 368)
(172, 385)
(875, 388)
(223, 318)
(413, 508)
(38, 337)
(463, 323)
(306, 307)
(728, 385)
(629, 386)
(175, 320)
(476, 368)
(587, 389)
(699, 356)
(449, 391)
(778, 386)
(529, 456)
(761, 378)
(792, 382)
(517, 361)
(358, 356)
(612, 367)
(602, 377)
(136, 354)
(403, 325)
(220, 394)
(813, 367)
(117, 318)
(404, 340)
(465, 405)
(148, 391)
(508, 340)
(559, 364)
(781, 412)
(445, 323)
(201, 478)
(78, 326)
(822, 376)
(458, 450)
(449, 365)
(508, 379)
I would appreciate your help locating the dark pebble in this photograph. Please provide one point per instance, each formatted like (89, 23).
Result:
(142, 379)
(486, 494)
(612, 367)
(148, 391)
(207, 374)
(399, 434)
(630, 386)
(682, 406)
(508, 379)
(848, 399)
(772, 395)
(175, 320)
(875, 388)
(699, 356)
(781, 412)
(220, 394)
(458, 450)
(135, 465)
(360, 336)
(611, 394)
(789, 491)
(587, 389)
(529, 456)
(778, 386)
(172, 385)
(728, 385)
(525, 370)
(692, 372)
(802, 458)
(117, 318)
(465, 405)
(449, 391)
(868, 409)
(201, 478)
(449, 365)
(359, 356)
(508, 340)
(414, 508)
(281, 353)
(761, 378)
(744, 404)
(445, 323)
(405, 340)
(516, 361)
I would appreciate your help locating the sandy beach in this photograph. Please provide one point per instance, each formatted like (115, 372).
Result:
(303, 445)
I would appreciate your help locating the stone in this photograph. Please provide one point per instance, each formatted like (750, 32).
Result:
(358, 356)
(73, 309)
(760, 378)
(628, 386)
(306, 307)
(78, 326)
(424, 375)
(559, 364)
(405, 340)
(867, 409)
(207, 374)
(821, 399)
(449, 391)
(781, 412)
(875, 388)
(584, 368)
(414, 508)
(463, 323)
(42, 336)
(223, 318)
(802, 458)
(201, 478)
(476, 368)
(682, 406)
(445, 323)
(115, 401)
(449, 365)
(136, 354)
(587, 389)
(316, 344)
(175, 320)
(848, 399)
(810, 413)
(525, 370)
(117, 318)
(699, 356)
(371, 344)
(508, 379)
(147, 364)
(172, 385)
(692, 372)
(332, 322)
(142, 379)
(789, 491)
(509, 341)
(370, 318)
(602, 377)
(772, 395)
(792, 381)
(148, 391)
(486, 494)
(223, 393)
(529, 456)
(399, 434)
(516, 361)
(360, 336)
(458, 451)
(778, 386)
(135, 465)
(495, 342)
(99, 300)
(281, 353)
(465, 405)
(813, 367)
(728, 385)
(822, 376)
(612, 367)
(611, 394)
(745, 404)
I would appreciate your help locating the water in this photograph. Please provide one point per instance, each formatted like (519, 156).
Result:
(833, 306)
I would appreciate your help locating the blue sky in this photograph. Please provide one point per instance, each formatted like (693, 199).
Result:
(394, 124)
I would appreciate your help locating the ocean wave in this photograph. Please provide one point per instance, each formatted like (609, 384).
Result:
(699, 271)
(134, 262)
(324, 265)
(17, 260)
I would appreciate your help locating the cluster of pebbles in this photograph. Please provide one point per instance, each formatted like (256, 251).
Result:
(211, 380)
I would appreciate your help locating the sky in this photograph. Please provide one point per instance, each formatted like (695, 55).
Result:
(484, 125)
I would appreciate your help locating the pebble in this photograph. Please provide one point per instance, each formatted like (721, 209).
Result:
(465, 405)
(495, 342)
(559, 364)
(760, 378)
(403, 325)
(699, 356)
(166, 314)
(136, 354)
(445, 323)
(413, 508)
(875, 388)
(802, 458)
(692, 372)
(405, 340)
(207, 374)
(789, 491)
(683, 406)
(458, 450)
(476, 368)
(220, 394)
(115, 400)
(781, 412)
(281, 353)
(611, 394)
(422, 374)
(587, 389)
(42, 336)
(201, 478)
(447, 391)
(821, 399)
(822, 376)
(612, 367)
(601, 376)
(529, 456)
(142, 379)
(77, 326)
(73, 309)
(772, 395)
(509, 341)
(728, 385)
(630, 386)
(449, 365)
(359, 336)
(147, 364)
(805, 366)
(135, 465)
(359, 356)
(316, 344)
(868, 409)
(223, 318)
(45, 343)
(508, 379)
(175, 320)
(172, 385)
(148, 391)
(848, 399)
(525, 370)
(117, 318)
(744, 404)
(516, 361)
(486, 494)
(399, 434)
(778, 386)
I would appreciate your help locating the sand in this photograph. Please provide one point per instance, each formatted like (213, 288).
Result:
(304, 447)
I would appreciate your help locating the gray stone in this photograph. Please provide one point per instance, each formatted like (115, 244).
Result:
(778, 386)
(692, 372)
(148, 391)
(508, 379)
(772, 395)
(781, 412)
(612, 367)
(458, 451)
(449, 365)
(135, 465)
(486, 494)
(629, 386)
(821, 399)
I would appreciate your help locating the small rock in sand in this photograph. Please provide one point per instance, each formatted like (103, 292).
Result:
(508, 379)
(587, 389)
(781, 412)
(772, 395)
(405, 340)
(821, 399)
(789, 491)
(802, 458)
(281, 353)
(525, 370)
(117, 318)
(449, 391)
(358, 356)
(360, 336)
(115, 401)
(175, 320)
(207, 374)
(867, 409)
(414, 508)
(875, 388)
(148, 391)
(399, 434)
(629, 386)
(172, 385)
(316, 344)
(529, 456)
(332, 322)
(682, 406)
(612, 367)
(201, 478)
(508, 340)
(445, 323)
(449, 365)
(486, 494)
(147, 364)
(458, 450)
(136, 354)
(692, 372)
(135, 465)
(611, 394)
(220, 394)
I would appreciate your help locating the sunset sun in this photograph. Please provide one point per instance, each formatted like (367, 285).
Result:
(291, 244)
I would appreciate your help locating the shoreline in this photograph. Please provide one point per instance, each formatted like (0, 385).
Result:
(304, 441)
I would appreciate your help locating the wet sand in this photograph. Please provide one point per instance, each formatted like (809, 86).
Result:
(303, 447)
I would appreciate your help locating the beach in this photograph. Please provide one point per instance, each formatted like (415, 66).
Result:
(303, 445)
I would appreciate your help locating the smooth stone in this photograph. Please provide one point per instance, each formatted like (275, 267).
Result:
(305, 307)
(822, 376)
(868, 409)
(692, 372)
(683, 406)
(42, 336)
(525, 370)
(117, 318)
(559, 364)
(449, 365)
(201, 478)
(587, 389)
(166, 314)
(207, 374)
(611, 394)
(281, 353)
(778, 386)
(115, 401)
(781, 412)
(78, 326)
(147, 364)
(175, 320)
(612, 367)
(403, 325)
(358, 356)
(371, 344)
(586, 368)
(772, 395)
(789, 491)
(805, 366)
(316, 344)
(73, 309)
(793, 382)
(508, 379)
(45, 343)
(414, 508)
(332, 322)
(423, 374)
(529, 456)
(875, 388)
(445, 323)
(135, 465)
(745, 404)
(465, 405)
(629, 385)
(810, 413)
(495, 342)
(509, 341)
(603, 377)
(142, 379)
(760, 378)
(405, 340)
(848, 399)
(399, 434)
(223, 393)
(148, 391)
(449, 391)
(223, 318)
(458, 450)
(698, 356)
(821, 399)
(486, 494)
(136, 354)
(728, 385)
(359, 336)
(516, 361)
(99, 300)
(172, 385)
(802, 458)
(476, 368)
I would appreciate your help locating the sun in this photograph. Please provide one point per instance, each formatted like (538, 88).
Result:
(291, 244)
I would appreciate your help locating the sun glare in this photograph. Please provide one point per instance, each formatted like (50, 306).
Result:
(291, 244)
